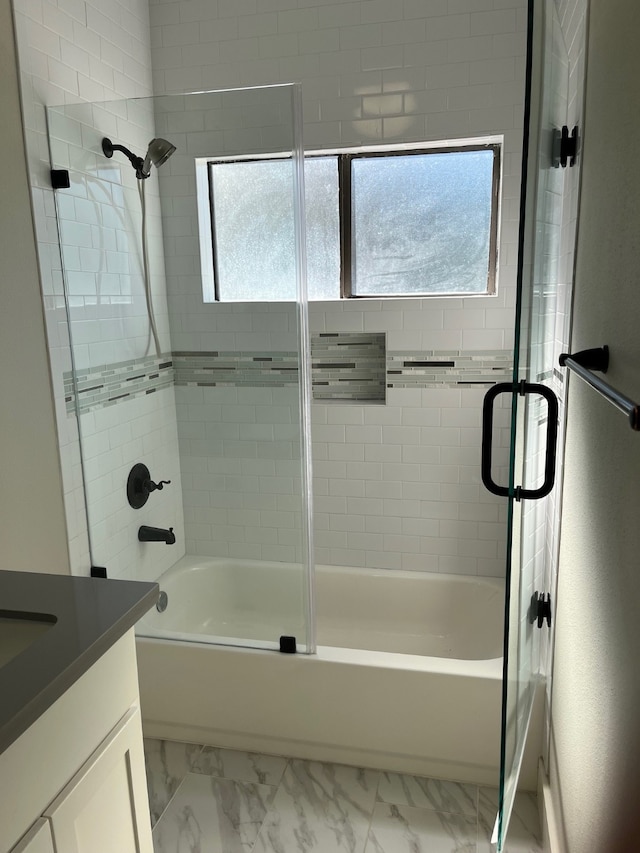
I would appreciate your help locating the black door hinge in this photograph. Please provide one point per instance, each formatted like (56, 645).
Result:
(540, 608)
(60, 179)
(564, 147)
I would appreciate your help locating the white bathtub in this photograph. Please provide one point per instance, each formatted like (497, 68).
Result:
(406, 676)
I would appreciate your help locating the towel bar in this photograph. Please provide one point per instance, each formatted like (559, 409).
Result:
(584, 363)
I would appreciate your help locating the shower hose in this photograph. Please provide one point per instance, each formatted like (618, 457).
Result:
(145, 266)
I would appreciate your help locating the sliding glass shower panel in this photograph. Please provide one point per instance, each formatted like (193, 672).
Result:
(209, 395)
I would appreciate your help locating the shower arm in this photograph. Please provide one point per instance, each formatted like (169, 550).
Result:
(108, 147)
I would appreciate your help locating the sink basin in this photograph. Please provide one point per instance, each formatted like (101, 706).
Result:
(19, 630)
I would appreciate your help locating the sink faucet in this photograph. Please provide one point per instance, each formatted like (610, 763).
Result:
(156, 534)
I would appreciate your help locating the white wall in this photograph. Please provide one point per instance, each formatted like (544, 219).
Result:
(371, 72)
(100, 222)
(595, 750)
(31, 500)
(73, 52)
(388, 494)
(556, 316)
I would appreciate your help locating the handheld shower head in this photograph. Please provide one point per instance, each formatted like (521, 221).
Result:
(158, 152)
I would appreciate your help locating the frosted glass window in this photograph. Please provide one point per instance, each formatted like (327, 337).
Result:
(378, 225)
(421, 223)
(322, 215)
(254, 244)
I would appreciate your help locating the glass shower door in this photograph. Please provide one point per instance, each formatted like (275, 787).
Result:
(535, 408)
(211, 397)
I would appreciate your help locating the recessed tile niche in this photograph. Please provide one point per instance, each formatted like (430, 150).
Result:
(348, 366)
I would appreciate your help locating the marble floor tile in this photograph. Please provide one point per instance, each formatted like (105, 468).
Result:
(404, 829)
(403, 790)
(241, 766)
(209, 815)
(167, 763)
(324, 808)
(523, 835)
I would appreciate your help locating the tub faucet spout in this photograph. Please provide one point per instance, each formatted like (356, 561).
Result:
(156, 534)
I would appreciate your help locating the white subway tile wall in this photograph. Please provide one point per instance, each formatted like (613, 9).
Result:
(390, 72)
(241, 471)
(71, 52)
(100, 220)
(398, 486)
(552, 290)
(428, 79)
(387, 494)
(572, 16)
(114, 439)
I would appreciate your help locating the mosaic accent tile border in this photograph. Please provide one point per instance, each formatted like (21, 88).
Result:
(348, 366)
(236, 369)
(448, 368)
(345, 367)
(108, 384)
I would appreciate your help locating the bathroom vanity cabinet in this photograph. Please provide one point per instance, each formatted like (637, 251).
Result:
(72, 774)
(77, 774)
(105, 806)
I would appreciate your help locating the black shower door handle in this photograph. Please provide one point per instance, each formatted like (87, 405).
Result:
(523, 388)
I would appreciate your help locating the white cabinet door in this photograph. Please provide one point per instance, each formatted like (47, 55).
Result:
(105, 808)
(37, 840)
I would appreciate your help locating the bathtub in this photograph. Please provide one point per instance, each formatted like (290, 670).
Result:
(406, 675)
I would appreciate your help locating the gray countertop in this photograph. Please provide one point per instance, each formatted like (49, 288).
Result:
(90, 614)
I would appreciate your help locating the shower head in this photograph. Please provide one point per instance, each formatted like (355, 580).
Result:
(158, 152)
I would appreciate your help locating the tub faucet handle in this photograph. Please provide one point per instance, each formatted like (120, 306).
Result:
(150, 486)
(140, 485)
